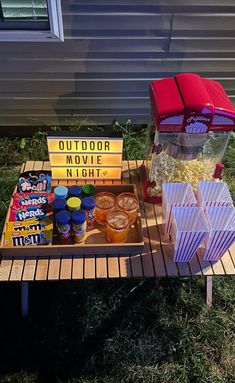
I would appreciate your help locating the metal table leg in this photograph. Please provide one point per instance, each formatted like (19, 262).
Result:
(24, 298)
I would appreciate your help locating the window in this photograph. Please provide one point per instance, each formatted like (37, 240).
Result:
(31, 20)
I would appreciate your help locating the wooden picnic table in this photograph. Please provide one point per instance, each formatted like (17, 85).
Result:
(156, 261)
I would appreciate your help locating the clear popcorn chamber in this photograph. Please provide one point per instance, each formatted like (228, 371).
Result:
(193, 119)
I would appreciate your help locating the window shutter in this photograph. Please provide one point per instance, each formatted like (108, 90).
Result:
(16, 10)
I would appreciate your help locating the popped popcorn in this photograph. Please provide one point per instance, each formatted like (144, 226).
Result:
(168, 169)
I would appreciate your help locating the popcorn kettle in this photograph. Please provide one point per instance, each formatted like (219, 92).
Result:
(193, 118)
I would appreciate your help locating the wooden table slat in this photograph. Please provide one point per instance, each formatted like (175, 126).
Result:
(232, 253)
(217, 268)
(228, 264)
(146, 257)
(158, 260)
(29, 269)
(29, 165)
(125, 267)
(195, 267)
(206, 266)
(125, 173)
(23, 167)
(136, 266)
(101, 267)
(5, 269)
(55, 263)
(54, 269)
(66, 268)
(42, 269)
(38, 165)
(89, 268)
(17, 269)
(152, 233)
(167, 246)
(78, 268)
(113, 267)
(183, 268)
(125, 262)
(152, 229)
(46, 165)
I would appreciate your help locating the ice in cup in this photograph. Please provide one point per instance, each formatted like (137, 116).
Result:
(105, 202)
(129, 204)
(117, 226)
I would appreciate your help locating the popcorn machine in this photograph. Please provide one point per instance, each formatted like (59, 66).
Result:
(193, 119)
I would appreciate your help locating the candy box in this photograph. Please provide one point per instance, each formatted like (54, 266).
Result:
(35, 181)
(33, 224)
(32, 199)
(29, 212)
(95, 241)
(27, 238)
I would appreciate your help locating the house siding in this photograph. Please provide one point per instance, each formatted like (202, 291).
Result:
(112, 50)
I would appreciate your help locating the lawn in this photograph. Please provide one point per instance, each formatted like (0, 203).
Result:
(113, 331)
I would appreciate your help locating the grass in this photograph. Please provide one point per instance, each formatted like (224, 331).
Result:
(165, 336)
(93, 332)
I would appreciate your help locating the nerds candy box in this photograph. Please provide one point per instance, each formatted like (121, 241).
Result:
(27, 238)
(32, 199)
(29, 212)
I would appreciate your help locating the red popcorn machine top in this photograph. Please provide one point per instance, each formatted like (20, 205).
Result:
(193, 118)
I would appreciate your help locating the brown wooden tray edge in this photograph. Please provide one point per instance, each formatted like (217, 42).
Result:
(131, 248)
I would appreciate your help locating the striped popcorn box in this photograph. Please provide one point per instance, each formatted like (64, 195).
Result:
(189, 230)
(222, 232)
(213, 194)
(178, 194)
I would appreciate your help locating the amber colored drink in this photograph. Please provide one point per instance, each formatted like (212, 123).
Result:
(128, 203)
(104, 203)
(117, 226)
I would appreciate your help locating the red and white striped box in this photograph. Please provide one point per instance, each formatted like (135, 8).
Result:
(222, 232)
(178, 194)
(189, 230)
(213, 194)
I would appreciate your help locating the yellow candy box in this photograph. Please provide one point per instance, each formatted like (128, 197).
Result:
(27, 238)
(30, 225)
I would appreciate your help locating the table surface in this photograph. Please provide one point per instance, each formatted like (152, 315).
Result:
(155, 261)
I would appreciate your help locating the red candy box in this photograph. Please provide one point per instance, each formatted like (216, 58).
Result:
(32, 199)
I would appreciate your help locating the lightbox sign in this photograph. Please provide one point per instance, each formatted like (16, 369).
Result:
(85, 157)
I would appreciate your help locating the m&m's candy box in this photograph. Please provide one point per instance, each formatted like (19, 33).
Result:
(31, 224)
(27, 238)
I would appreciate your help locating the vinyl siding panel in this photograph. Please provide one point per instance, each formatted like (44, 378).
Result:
(201, 45)
(112, 50)
(203, 22)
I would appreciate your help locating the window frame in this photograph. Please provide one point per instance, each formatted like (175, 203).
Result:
(54, 33)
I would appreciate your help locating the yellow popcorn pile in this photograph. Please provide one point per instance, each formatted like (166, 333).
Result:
(167, 169)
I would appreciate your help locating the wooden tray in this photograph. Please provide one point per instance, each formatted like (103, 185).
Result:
(95, 242)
